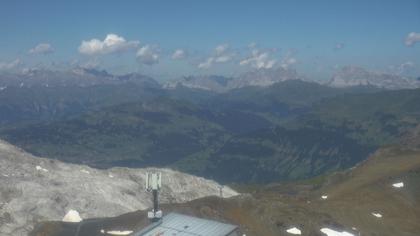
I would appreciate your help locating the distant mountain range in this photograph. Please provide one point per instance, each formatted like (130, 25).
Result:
(276, 127)
(349, 76)
(259, 78)
(82, 77)
(356, 76)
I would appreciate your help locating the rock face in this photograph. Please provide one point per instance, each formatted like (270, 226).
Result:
(210, 83)
(37, 189)
(78, 76)
(265, 77)
(350, 76)
(220, 84)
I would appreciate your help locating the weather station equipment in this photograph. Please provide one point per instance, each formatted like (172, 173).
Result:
(154, 184)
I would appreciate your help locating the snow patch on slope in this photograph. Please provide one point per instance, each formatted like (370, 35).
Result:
(39, 168)
(117, 232)
(330, 232)
(377, 215)
(398, 185)
(294, 230)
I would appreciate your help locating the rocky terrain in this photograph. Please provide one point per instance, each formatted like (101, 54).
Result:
(36, 189)
(349, 76)
(257, 78)
(379, 197)
(345, 77)
(78, 76)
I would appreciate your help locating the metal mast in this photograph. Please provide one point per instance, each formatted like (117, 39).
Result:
(154, 184)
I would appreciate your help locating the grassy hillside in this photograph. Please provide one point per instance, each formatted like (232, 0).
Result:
(374, 119)
(264, 135)
(167, 132)
(39, 103)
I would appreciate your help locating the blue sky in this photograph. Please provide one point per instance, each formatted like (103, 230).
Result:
(314, 37)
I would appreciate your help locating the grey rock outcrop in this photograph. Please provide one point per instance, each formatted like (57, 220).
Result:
(349, 76)
(36, 189)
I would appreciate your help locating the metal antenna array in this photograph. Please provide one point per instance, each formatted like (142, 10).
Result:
(154, 184)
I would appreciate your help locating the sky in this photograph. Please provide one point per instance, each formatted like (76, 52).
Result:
(169, 39)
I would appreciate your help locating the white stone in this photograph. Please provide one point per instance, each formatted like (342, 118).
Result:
(377, 215)
(72, 216)
(294, 230)
(330, 232)
(324, 197)
(39, 168)
(398, 185)
(117, 232)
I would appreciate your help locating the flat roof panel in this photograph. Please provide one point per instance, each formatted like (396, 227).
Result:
(175, 224)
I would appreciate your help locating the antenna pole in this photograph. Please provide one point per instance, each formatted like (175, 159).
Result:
(155, 201)
(154, 184)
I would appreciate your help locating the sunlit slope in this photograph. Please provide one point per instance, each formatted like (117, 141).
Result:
(350, 200)
(369, 189)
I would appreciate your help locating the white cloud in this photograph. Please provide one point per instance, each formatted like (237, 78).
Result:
(179, 54)
(148, 55)
(252, 45)
(10, 65)
(259, 60)
(339, 46)
(207, 64)
(223, 58)
(111, 44)
(287, 62)
(221, 54)
(42, 48)
(221, 49)
(412, 38)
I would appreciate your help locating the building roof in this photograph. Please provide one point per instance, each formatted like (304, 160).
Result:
(175, 224)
